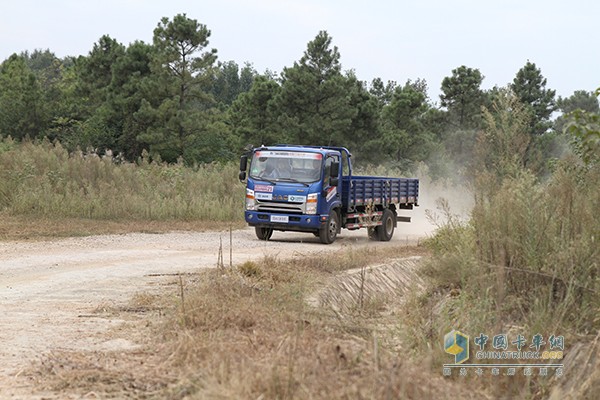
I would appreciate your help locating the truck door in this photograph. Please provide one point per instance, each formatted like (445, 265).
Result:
(331, 192)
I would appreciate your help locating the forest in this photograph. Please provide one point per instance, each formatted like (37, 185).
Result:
(174, 100)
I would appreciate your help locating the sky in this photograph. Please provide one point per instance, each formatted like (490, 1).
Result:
(392, 40)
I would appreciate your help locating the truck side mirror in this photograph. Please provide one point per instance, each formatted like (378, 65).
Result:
(243, 166)
(334, 172)
(243, 162)
(334, 169)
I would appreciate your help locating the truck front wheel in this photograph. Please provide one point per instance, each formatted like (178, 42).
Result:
(385, 231)
(329, 231)
(263, 233)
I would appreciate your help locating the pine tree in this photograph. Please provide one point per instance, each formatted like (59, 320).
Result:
(463, 97)
(20, 100)
(253, 115)
(314, 103)
(182, 70)
(530, 87)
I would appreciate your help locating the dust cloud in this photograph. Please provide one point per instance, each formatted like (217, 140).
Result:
(439, 201)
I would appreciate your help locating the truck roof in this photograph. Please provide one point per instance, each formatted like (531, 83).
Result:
(315, 149)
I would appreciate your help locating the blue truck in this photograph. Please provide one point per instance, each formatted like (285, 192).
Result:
(312, 189)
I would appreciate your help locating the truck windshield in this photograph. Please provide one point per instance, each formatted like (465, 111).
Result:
(288, 166)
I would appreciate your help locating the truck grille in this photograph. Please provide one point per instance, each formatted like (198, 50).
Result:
(276, 207)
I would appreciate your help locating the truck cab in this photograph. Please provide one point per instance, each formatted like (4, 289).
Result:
(293, 188)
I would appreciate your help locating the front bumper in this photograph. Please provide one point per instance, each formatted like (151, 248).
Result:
(295, 222)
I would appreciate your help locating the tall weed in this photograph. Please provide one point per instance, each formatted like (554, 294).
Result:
(527, 261)
(43, 179)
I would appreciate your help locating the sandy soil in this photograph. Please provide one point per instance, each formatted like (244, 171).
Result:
(51, 291)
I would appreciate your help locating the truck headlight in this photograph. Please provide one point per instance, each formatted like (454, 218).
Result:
(311, 203)
(250, 203)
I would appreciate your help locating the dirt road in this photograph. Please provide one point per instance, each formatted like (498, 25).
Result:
(50, 291)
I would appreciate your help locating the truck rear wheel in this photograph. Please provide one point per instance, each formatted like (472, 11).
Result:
(328, 232)
(385, 231)
(263, 233)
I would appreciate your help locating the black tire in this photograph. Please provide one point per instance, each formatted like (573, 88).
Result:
(329, 231)
(263, 233)
(385, 231)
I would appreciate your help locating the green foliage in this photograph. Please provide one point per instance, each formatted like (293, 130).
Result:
(229, 82)
(463, 97)
(583, 126)
(313, 103)
(580, 100)
(405, 137)
(179, 111)
(129, 87)
(22, 111)
(382, 92)
(455, 129)
(364, 130)
(502, 146)
(530, 87)
(253, 115)
(176, 42)
(6, 144)
(95, 72)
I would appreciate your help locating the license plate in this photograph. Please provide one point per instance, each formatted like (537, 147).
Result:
(280, 218)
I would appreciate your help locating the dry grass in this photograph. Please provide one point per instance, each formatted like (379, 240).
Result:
(582, 382)
(525, 263)
(43, 180)
(248, 332)
(104, 375)
(24, 227)
(45, 192)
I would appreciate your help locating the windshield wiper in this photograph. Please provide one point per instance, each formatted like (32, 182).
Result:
(293, 180)
(261, 178)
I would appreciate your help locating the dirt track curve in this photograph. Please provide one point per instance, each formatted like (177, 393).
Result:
(49, 290)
